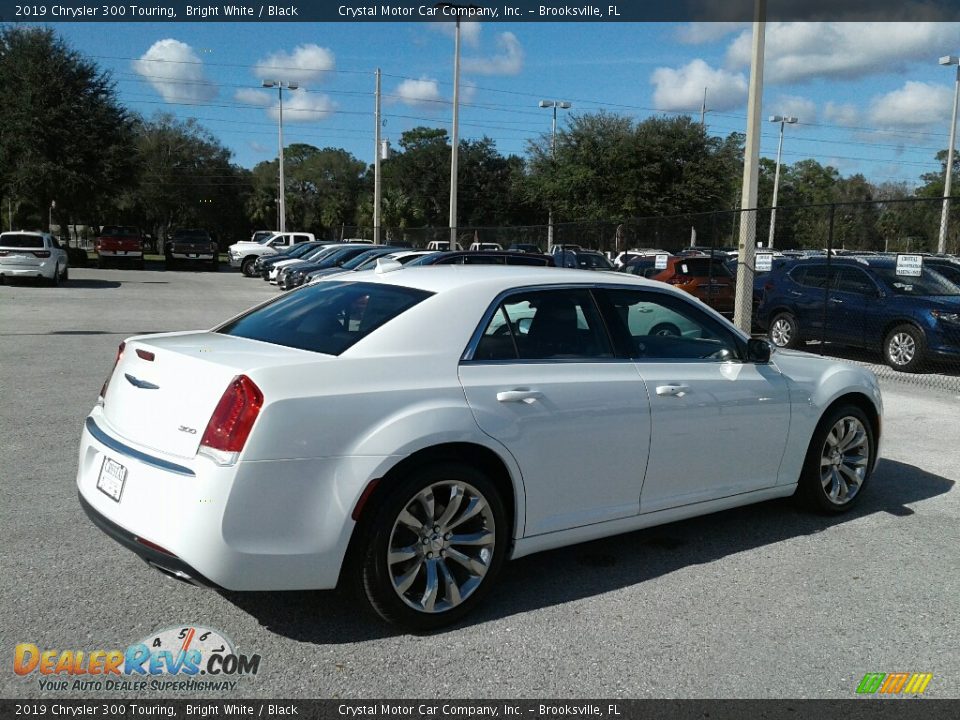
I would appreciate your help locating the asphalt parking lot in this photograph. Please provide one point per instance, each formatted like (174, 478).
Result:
(764, 601)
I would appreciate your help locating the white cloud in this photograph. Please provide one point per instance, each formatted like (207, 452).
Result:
(175, 71)
(305, 64)
(799, 107)
(249, 96)
(508, 60)
(796, 52)
(302, 106)
(845, 114)
(469, 30)
(422, 92)
(697, 33)
(914, 105)
(681, 89)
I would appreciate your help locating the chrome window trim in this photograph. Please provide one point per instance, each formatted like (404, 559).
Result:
(128, 451)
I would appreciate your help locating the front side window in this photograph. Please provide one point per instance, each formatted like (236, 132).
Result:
(327, 317)
(658, 326)
(545, 325)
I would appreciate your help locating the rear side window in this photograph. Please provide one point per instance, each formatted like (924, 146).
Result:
(326, 318)
(21, 241)
(814, 277)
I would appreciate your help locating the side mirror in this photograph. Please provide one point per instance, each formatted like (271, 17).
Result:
(758, 351)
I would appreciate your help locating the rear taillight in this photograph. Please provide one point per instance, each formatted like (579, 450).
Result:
(232, 420)
(42, 253)
(103, 390)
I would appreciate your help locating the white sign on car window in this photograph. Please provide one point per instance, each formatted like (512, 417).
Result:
(910, 265)
(764, 262)
(660, 262)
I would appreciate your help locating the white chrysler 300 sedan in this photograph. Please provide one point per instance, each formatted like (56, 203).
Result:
(408, 430)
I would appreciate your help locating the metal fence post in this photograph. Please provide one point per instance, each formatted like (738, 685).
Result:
(826, 285)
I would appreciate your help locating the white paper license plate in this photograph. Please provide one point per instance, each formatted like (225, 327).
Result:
(112, 477)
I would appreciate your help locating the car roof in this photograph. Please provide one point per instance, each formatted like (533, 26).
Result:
(498, 278)
(23, 232)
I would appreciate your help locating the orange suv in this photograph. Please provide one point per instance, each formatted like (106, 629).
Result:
(704, 277)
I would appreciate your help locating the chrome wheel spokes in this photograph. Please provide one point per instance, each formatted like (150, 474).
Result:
(844, 460)
(432, 568)
(902, 348)
(780, 332)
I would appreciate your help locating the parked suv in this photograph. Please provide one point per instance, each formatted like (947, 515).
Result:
(33, 255)
(704, 277)
(864, 302)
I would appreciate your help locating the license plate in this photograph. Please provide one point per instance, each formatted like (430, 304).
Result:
(112, 477)
(192, 255)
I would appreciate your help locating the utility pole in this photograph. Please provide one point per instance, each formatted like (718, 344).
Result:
(945, 215)
(376, 166)
(703, 111)
(743, 309)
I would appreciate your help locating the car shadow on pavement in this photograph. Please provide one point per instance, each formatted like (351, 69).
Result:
(93, 284)
(597, 567)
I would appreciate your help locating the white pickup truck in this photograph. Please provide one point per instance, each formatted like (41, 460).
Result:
(244, 254)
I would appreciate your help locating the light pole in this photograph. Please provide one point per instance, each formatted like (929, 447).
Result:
(783, 120)
(53, 204)
(282, 209)
(945, 216)
(455, 132)
(553, 104)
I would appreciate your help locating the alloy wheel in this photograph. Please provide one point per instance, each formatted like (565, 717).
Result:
(781, 332)
(901, 348)
(844, 460)
(441, 546)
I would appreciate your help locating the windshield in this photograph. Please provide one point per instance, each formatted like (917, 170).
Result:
(364, 257)
(119, 230)
(930, 282)
(298, 250)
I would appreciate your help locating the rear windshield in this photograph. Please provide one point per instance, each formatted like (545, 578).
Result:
(327, 318)
(117, 230)
(21, 241)
(191, 235)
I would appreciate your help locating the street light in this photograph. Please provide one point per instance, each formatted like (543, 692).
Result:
(554, 105)
(783, 120)
(945, 216)
(282, 210)
(53, 204)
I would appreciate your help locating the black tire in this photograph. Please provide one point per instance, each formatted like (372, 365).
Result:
(904, 348)
(783, 331)
(665, 329)
(101, 263)
(66, 275)
(55, 280)
(854, 457)
(170, 263)
(432, 551)
(246, 267)
(214, 265)
(141, 264)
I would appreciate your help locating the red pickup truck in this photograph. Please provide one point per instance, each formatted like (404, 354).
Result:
(119, 244)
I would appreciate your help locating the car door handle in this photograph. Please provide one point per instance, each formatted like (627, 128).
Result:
(795, 293)
(519, 395)
(678, 390)
(838, 301)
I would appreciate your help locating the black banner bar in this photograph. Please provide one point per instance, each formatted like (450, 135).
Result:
(482, 10)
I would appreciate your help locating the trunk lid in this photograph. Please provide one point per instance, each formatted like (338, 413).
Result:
(164, 402)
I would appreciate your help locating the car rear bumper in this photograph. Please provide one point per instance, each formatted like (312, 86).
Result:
(192, 256)
(136, 254)
(258, 525)
(45, 269)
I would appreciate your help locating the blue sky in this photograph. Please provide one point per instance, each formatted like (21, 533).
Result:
(870, 97)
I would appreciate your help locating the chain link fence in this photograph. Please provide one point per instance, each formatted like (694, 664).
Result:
(828, 279)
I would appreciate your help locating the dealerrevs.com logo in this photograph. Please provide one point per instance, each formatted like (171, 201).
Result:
(185, 658)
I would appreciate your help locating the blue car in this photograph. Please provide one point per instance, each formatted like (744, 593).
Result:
(864, 302)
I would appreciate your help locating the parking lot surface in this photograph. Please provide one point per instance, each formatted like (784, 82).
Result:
(764, 601)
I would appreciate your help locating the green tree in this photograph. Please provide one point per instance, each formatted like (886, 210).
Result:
(64, 136)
